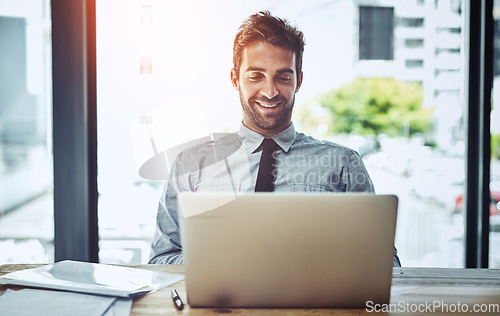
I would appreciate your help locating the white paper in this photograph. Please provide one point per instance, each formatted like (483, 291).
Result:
(93, 278)
(54, 303)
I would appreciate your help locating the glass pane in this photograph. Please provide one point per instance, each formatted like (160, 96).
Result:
(163, 79)
(495, 147)
(26, 182)
(153, 86)
(405, 117)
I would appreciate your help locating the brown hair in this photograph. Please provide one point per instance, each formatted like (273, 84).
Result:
(264, 27)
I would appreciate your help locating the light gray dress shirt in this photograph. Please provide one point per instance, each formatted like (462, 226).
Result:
(231, 163)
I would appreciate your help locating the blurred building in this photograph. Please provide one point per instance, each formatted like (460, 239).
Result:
(420, 41)
(26, 180)
(25, 102)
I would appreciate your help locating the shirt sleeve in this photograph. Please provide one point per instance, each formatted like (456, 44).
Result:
(166, 246)
(358, 179)
(396, 262)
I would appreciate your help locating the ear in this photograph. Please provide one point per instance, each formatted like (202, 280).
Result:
(234, 79)
(299, 81)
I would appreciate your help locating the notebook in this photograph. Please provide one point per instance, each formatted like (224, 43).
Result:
(287, 250)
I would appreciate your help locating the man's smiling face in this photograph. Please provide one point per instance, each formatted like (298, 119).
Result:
(267, 83)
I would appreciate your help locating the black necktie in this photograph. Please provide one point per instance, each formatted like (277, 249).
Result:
(265, 177)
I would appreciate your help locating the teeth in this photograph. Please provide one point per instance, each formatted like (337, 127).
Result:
(268, 105)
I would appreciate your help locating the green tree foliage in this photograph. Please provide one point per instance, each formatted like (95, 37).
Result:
(378, 106)
(495, 146)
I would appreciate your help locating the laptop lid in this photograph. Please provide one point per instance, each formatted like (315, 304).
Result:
(287, 250)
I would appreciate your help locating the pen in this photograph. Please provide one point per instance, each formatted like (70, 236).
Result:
(177, 300)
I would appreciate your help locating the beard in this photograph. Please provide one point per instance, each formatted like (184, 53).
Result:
(268, 121)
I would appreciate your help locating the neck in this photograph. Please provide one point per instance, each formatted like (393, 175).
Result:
(267, 133)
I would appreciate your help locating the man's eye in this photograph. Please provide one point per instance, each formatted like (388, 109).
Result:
(284, 79)
(255, 78)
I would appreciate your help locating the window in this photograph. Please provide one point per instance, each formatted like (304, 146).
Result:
(410, 22)
(26, 181)
(414, 43)
(414, 63)
(453, 30)
(376, 33)
(447, 50)
(424, 167)
(494, 186)
(430, 226)
(146, 65)
(146, 14)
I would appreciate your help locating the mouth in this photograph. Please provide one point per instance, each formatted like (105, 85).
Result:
(268, 105)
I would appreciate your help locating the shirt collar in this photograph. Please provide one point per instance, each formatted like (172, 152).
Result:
(252, 139)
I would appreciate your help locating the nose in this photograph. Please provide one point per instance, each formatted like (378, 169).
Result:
(269, 89)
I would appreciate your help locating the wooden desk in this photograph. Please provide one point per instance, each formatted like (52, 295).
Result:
(429, 290)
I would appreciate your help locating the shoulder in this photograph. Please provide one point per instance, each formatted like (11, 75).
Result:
(203, 152)
(223, 146)
(303, 140)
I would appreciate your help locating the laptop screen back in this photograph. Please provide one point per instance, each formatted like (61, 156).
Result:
(287, 250)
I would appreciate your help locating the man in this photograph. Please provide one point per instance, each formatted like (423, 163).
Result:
(267, 60)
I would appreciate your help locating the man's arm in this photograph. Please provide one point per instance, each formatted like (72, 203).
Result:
(395, 261)
(166, 246)
(358, 179)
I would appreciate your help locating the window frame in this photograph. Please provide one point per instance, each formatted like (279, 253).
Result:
(74, 130)
(479, 71)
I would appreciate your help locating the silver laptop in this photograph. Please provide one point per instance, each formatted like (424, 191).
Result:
(287, 250)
